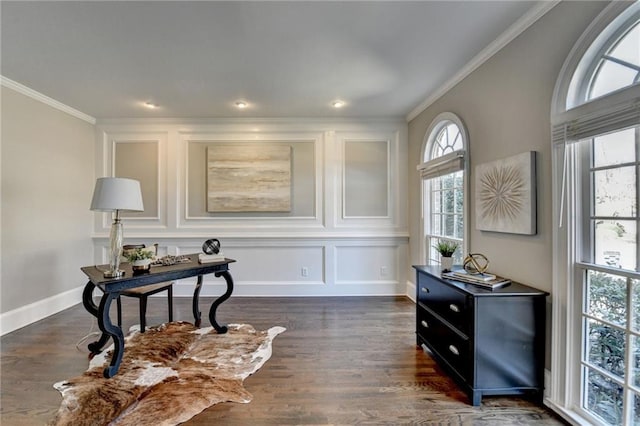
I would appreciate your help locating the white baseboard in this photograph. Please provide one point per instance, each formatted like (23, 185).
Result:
(547, 383)
(411, 291)
(25, 315)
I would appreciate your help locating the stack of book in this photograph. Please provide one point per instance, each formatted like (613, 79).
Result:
(210, 258)
(484, 279)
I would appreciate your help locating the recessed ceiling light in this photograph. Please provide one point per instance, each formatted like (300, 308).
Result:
(241, 104)
(337, 104)
(151, 105)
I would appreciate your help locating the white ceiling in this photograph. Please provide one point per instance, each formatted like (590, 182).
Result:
(286, 59)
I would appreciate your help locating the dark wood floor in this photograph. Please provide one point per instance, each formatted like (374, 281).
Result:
(342, 361)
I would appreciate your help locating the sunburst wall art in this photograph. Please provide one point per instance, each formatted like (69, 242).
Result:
(505, 195)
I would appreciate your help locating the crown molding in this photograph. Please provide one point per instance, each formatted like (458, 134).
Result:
(505, 38)
(20, 88)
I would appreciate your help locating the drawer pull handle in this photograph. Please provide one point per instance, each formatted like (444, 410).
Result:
(454, 308)
(454, 350)
(424, 290)
(424, 324)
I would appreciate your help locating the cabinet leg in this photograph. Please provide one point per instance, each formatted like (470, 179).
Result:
(476, 398)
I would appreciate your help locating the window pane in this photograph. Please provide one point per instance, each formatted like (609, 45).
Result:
(636, 409)
(606, 297)
(436, 224)
(437, 202)
(459, 226)
(635, 303)
(635, 361)
(610, 77)
(436, 184)
(450, 224)
(448, 140)
(628, 49)
(614, 148)
(605, 347)
(448, 181)
(615, 243)
(615, 192)
(458, 205)
(604, 398)
(432, 255)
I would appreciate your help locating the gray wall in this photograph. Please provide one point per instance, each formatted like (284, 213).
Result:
(47, 183)
(506, 105)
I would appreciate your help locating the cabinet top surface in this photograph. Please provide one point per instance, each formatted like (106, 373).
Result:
(512, 289)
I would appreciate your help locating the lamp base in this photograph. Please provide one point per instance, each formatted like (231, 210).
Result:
(113, 274)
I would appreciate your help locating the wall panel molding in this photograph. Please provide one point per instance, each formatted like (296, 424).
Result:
(297, 253)
(193, 220)
(108, 141)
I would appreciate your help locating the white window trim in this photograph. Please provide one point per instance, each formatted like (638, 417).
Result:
(436, 125)
(564, 381)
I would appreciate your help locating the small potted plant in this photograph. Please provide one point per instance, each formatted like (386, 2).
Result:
(140, 258)
(446, 250)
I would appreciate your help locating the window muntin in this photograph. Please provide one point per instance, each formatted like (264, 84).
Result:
(614, 149)
(611, 355)
(619, 67)
(613, 187)
(611, 349)
(446, 218)
(597, 272)
(448, 140)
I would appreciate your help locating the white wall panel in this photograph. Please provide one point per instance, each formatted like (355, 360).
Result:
(315, 249)
(366, 264)
(151, 146)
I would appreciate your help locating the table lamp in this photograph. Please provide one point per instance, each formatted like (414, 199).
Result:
(115, 195)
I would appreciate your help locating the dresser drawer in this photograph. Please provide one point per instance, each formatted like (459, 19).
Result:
(449, 345)
(450, 304)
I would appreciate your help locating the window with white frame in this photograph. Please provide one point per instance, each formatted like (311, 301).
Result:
(597, 187)
(444, 186)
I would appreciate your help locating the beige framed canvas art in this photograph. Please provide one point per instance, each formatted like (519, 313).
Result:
(505, 195)
(243, 178)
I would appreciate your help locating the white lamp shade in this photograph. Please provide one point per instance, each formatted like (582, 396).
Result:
(111, 194)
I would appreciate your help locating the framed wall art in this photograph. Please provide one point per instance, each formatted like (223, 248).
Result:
(505, 195)
(248, 179)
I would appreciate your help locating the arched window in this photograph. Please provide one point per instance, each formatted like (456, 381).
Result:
(444, 186)
(596, 287)
(619, 66)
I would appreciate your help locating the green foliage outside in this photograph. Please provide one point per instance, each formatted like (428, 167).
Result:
(607, 300)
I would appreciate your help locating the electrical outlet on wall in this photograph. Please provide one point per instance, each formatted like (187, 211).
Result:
(384, 271)
(304, 271)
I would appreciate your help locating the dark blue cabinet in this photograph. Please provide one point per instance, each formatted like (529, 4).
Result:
(491, 342)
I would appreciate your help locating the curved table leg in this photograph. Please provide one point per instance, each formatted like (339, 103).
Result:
(196, 300)
(214, 306)
(110, 330)
(90, 306)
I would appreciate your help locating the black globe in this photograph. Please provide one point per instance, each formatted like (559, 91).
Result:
(211, 246)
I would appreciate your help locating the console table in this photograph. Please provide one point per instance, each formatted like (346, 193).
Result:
(112, 287)
(491, 342)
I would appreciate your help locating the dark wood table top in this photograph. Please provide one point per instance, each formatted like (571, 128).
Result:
(157, 273)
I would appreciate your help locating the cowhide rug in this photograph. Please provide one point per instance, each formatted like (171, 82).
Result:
(168, 374)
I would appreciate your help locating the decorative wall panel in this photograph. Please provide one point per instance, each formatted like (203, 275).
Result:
(139, 160)
(366, 178)
(345, 232)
